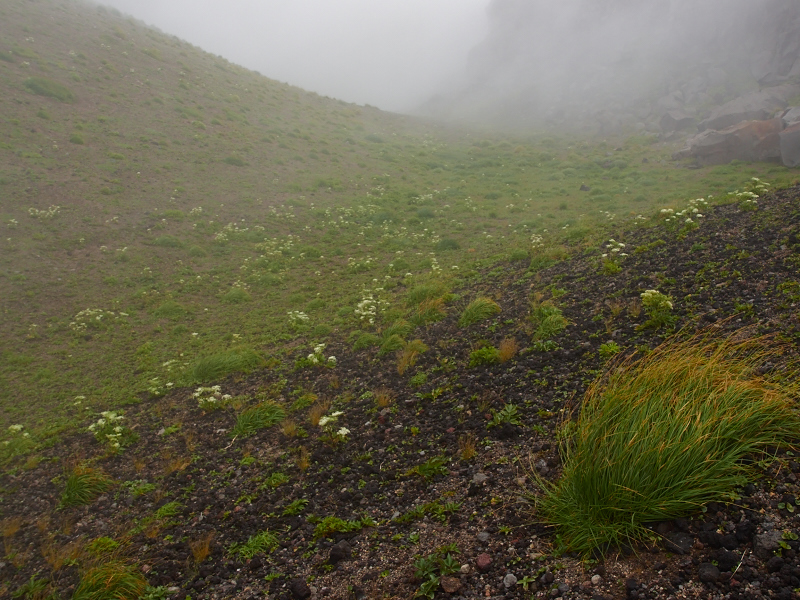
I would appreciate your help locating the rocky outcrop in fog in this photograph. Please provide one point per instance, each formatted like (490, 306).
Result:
(626, 65)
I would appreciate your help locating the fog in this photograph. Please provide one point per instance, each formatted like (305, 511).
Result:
(572, 60)
(393, 54)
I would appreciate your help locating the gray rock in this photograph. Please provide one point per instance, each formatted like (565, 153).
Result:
(483, 537)
(708, 573)
(479, 478)
(789, 140)
(509, 580)
(749, 141)
(791, 116)
(678, 542)
(757, 106)
(765, 544)
(676, 120)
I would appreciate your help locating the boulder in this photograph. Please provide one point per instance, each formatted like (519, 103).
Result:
(791, 116)
(676, 120)
(754, 106)
(790, 145)
(749, 141)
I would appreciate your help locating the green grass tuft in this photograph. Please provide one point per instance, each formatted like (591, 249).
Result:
(479, 309)
(217, 366)
(114, 579)
(258, 417)
(264, 542)
(659, 438)
(83, 485)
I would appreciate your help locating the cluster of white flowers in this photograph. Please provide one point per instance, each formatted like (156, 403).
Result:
(655, 300)
(328, 422)
(688, 214)
(209, 398)
(435, 268)
(17, 429)
(614, 249)
(108, 429)
(12, 223)
(93, 317)
(51, 212)
(371, 304)
(229, 230)
(537, 241)
(197, 210)
(362, 265)
(297, 318)
(318, 358)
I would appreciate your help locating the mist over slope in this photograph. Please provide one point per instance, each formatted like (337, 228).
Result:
(607, 64)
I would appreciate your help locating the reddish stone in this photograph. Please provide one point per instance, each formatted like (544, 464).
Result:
(483, 562)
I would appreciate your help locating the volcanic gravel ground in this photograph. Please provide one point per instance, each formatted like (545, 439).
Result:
(737, 269)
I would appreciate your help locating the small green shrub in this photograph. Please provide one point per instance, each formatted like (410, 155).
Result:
(478, 310)
(547, 319)
(260, 543)
(235, 161)
(447, 244)
(168, 241)
(508, 414)
(435, 465)
(52, 89)
(170, 310)
(488, 355)
(257, 417)
(366, 340)
(330, 525)
(658, 307)
(608, 350)
(77, 138)
(236, 295)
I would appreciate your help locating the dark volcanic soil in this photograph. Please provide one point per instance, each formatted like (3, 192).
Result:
(737, 269)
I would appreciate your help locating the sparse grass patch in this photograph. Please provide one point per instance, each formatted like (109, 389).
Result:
(479, 309)
(257, 417)
(83, 485)
(113, 579)
(547, 320)
(260, 543)
(217, 366)
(659, 438)
(407, 357)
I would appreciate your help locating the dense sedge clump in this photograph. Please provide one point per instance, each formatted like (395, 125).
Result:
(659, 438)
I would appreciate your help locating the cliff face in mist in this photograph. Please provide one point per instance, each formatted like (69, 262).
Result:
(620, 64)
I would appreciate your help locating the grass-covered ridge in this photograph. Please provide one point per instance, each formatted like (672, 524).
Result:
(180, 207)
(659, 438)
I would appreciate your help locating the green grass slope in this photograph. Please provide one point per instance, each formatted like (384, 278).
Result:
(169, 217)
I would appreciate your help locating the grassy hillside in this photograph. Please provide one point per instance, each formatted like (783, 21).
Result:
(190, 242)
(160, 204)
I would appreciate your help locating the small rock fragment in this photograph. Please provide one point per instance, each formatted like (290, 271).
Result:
(483, 562)
(708, 573)
(483, 536)
(465, 569)
(596, 580)
(451, 585)
(765, 544)
(509, 580)
(479, 478)
(299, 589)
(339, 552)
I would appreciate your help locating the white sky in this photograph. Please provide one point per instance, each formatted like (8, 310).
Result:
(393, 54)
